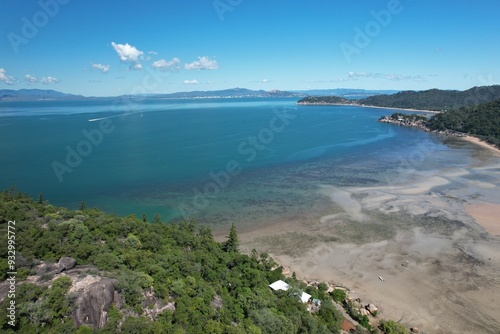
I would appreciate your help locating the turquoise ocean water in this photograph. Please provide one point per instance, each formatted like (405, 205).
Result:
(219, 160)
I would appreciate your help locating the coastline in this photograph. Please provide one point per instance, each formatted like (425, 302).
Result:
(477, 141)
(368, 106)
(486, 215)
(402, 109)
(418, 124)
(437, 264)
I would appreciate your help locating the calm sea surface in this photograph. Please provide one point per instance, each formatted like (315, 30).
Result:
(219, 160)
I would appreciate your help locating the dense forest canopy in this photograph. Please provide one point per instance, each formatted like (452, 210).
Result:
(482, 121)
(212, 287)
(432, 99)
(325, 100)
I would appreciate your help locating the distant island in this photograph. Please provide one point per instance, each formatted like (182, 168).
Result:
(433, 99)
(42, 94)
(36, 94)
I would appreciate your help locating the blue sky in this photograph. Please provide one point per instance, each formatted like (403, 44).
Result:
(108, 48)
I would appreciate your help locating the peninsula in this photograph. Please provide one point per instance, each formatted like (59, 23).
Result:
(481, 121)
(432, 99)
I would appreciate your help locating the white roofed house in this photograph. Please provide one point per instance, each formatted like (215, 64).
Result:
(279, 285)
(305, 297)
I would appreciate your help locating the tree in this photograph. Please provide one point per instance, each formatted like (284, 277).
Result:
(392, 327)
(82, 206)
(232, 243)
(139, 325)
(254, 254)
(338, 295)
(156, 218)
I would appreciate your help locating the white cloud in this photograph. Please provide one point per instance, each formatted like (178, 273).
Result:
(392, 77)
(359, 74)
(31, 80)
(203, 63)
(135, 67)
(163, 65)
(191, 82)
(6, 78)
(101, 67)
(152, 52)
(49, 80)
(127, 52)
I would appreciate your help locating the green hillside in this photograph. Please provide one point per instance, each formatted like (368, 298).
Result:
(482, 121)
(203, 286)
(433, 99)
(324, 100)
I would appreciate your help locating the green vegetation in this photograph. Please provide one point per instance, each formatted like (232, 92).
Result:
(409, 117)
(392, 327)
(324, 100)
(432, 99)
(339, 295)
(356, 315)
(482, 121)
(215, 289)
(435, 99)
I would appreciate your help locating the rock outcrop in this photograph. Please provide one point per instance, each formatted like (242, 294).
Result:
(372, 309)
(95, 296)
(65, 263)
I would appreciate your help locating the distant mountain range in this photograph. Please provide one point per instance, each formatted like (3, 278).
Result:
(227, 93)
(40, 94)
(432, 99)
(35, 94)
(347, 93)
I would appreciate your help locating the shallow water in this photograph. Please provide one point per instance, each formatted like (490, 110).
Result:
(219, 160)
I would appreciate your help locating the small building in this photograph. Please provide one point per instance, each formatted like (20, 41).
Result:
(279, 285)
(316, 302)
(305, 297)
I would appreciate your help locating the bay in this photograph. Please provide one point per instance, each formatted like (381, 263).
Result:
(216, 160)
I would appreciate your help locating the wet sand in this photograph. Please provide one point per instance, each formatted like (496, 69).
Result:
(487, 215)
(431, 236)
(495, 150)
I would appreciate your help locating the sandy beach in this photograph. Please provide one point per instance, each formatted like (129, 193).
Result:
(374, 107)
(403, 109)
(495, 150)
(433, 237)
(487, 215)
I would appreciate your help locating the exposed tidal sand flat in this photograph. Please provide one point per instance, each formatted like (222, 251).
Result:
(430, 235)
(487, 215)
